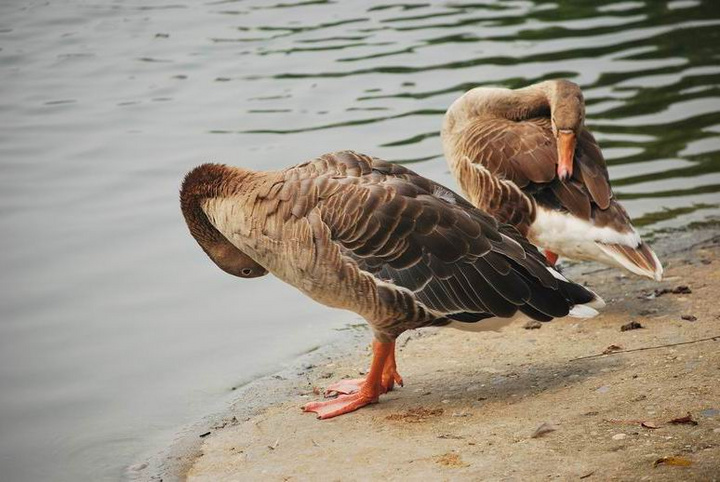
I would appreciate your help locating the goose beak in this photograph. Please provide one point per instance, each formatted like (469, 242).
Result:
(566, 152)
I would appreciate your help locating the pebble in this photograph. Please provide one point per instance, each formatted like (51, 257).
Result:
(532, 325)
(619, 436)
(633, 325)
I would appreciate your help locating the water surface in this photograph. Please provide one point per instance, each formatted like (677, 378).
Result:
(115, 328)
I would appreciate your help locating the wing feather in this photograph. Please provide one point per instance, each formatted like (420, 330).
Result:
(526, 153)
(421, 236)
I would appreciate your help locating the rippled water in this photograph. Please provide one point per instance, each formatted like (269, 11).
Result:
(115, 328)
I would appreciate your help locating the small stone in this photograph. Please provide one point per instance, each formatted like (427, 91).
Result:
(633, 325)
(603, 389)
(619, 436)
(532, 325)
(689, 317)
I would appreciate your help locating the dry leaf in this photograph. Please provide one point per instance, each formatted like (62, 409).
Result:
(687, 420)
(450, 460)
(543, 429)
(676, 461)
(612, 349)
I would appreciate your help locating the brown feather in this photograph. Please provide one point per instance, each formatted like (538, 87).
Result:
(363, 234)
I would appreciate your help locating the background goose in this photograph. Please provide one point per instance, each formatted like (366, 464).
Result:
(365, 235)
(525, 157)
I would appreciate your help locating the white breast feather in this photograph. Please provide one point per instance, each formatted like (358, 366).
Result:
(553, 228)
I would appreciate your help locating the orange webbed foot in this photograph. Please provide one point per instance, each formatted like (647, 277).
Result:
(339, 406)
(370, 389)
(344, 387)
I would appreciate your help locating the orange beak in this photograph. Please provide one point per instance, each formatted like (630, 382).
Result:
(566, 152)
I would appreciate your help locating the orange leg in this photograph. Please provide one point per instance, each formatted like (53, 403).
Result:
(390, 374)
(551, 257)
(390, 377)
(369, 392)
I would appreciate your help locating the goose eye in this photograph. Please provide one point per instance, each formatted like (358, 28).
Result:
(246, 272)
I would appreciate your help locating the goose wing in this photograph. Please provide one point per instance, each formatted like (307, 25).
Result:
(526, 154)
(416, 234)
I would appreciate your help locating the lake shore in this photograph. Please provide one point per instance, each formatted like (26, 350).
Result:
(520, 404)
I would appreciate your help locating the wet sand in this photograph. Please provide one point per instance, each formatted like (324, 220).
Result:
(472, 404)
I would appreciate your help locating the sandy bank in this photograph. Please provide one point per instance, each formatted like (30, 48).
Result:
(472, 402)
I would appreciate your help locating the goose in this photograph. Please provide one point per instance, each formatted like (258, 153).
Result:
(525, 157)
(362, 234)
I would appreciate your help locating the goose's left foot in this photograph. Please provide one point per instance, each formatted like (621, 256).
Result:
(390, 377)
(344, 387)
(370, 390)
(340, 405)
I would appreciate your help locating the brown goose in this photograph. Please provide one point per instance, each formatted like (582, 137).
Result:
(525, 157)
(365, 235)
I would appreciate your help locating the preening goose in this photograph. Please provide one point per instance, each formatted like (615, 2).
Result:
(525, 157)
(362, 234)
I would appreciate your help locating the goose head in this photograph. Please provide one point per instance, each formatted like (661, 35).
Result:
(205, 182)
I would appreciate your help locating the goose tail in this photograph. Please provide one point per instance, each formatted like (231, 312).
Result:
(585, 302)
(640, 260)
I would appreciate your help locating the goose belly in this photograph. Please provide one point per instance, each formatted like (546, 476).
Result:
(488, 324)
(576, 238)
